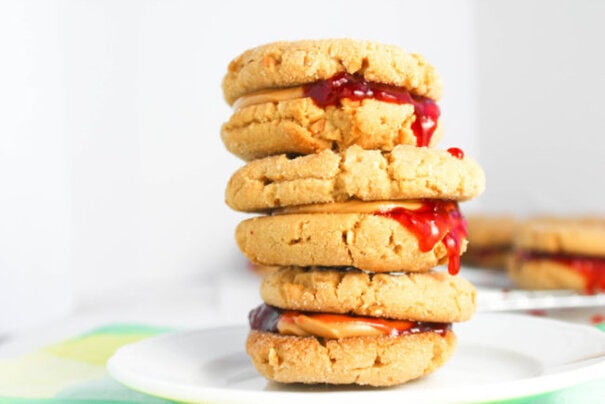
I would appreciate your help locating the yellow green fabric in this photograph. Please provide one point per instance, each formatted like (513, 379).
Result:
(73, 371)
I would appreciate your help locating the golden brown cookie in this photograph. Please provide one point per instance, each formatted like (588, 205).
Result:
(490, 240)
(287, 64)
(433, 296)
(560, 253)
(300, 126)
(493, 258)
(306, 96)
(407, 172)
(568, 235)
(363, 240)
(544, 273)
(376, 361)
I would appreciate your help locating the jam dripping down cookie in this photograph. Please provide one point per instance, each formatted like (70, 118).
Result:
(435, 221)
(330, 92)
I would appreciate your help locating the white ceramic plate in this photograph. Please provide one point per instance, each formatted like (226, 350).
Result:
(499, 356)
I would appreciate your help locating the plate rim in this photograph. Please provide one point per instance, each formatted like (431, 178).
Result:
(515, 389)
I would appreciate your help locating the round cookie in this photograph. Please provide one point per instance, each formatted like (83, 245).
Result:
(545, 273)
(375, 361)
(577, 236)
(485, 258)
(560, 253)
(365, 241)
(490, 240)
(287, 64)
(433, 296)
(306, 96)
(407, 172)
(301, 127)
(491, 230)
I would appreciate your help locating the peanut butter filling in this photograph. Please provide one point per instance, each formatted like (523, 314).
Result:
(350, 207)
(304, 326)
(261, 97)
(338, 326)
(328, 325)
(331, 92)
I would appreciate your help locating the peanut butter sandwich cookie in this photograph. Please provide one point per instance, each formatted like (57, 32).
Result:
(347, 326)
(491, 240)
(298, 347)
(563, 253)
(396, 229)
(306, 96)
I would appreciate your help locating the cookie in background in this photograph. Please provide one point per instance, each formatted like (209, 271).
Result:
(490, 240)
(560, 253)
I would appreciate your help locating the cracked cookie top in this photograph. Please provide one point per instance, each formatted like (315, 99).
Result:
(288, 64)
(433, 296)
(407, 172)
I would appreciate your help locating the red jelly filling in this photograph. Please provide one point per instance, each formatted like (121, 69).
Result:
(265, 318)
(456, 152)
(344, 85)
(592, 269)
(435, 221)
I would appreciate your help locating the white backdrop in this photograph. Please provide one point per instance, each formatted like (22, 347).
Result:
(542, 125)
(112, 169)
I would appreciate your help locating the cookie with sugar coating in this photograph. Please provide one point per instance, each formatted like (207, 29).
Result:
(375, 361)
(433, 296)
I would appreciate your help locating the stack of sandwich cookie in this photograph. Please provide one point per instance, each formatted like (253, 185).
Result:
(354, 212)
(560, 253)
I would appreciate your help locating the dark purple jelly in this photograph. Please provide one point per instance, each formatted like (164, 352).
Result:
(264, 318)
